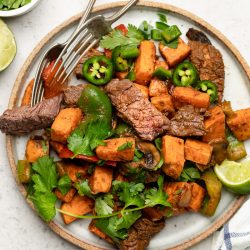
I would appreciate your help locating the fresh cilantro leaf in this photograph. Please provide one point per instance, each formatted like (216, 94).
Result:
(127, 219)
(64, 184)
(88, 135)
(45, 204)
(104, 204)
(162, 17)
(83, 188)
(137, 175)
(45, 178)
(117, 38)
(134, 32)
(108, 227)
(129, 193)
(124, 146)
(189, 172)
(156, 196)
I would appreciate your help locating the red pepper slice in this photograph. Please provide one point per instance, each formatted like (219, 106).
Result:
(122, 28)
(66, 153)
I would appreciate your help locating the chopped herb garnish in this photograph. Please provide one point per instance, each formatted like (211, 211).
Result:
(162, 17)
(64, 184)
(189, 172)
(124, 146)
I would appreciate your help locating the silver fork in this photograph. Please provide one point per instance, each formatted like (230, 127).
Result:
(85, 38)
(51, 54)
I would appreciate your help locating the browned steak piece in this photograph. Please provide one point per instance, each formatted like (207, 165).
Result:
(140, 234)
(196, 35)
(136, 109)
(72, 94)
(187, 122)
(78, 69)
(25, 119)
(209, 62)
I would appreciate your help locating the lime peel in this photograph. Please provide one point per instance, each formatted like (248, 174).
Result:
(235, 176)
(7, 46)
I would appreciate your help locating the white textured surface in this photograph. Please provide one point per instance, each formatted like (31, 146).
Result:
(20, 227)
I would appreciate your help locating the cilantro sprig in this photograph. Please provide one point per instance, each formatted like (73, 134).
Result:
(116, 38)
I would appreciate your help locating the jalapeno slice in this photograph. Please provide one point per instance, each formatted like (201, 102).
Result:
(162, 74)
(208, 87)
(185, 74)
(98, 70)
(122, 54)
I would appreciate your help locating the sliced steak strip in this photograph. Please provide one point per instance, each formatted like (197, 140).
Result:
(198, 36)
(25, 119)
(187, 122)
(72, 94)
(140, 234)
(136, 109)
(78, 69)
(209, 62)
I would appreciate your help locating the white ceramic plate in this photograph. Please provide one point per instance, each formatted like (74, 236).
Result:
(180, 232)
(20, 11)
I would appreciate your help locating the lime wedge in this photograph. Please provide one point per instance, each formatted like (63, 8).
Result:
(7, 46)
(235, 176)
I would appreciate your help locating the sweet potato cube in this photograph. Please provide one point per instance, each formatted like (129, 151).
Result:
(72, 170)
(101, 180)
(215, 125)
(79, 205)
(175, 56)
(198, 195)
(157, 88)
(36, 148)
(143, 89)
(121, 75)
(113, 150)
(239, 124)
(26, 100)
(65, 122)
(197, 151)
(173, 154)
(188, 95)
(145, 62)
(163, 103)
(95, 230)
(57, 146)
(67, 197)
(162, 64)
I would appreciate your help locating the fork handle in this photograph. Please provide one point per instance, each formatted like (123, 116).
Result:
(121, 12)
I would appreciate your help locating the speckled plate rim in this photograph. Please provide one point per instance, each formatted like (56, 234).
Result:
(21, 80)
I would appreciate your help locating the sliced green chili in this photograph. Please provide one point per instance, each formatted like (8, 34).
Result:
(163, 74)
(161, 26)
(156, 35)
(185, 74)
(210, 88)
(98, 70)
(171, 33)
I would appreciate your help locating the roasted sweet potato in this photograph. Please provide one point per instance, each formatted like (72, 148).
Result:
(113, 150)
(65, 122)
(163, 103)
(57, 146)
(121, 75)
(154, 213)
(173, 154)
(175, 56)
(143, 89)
(188, 95)
(36, 148)
(215, 125)
(67, 197)
(72, 170)
(145, 63)
(95, 230)
(157, 88)
(198, 195)
(162, 64)
(79, 205)
(26, 100)
(101, 180)
(239, 124)
(197, 151)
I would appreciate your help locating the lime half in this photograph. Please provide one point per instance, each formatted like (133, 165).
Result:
(235, 176)
(7, 46)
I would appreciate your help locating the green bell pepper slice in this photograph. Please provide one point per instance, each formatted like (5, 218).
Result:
(185, 74)
(98, 70)
(156, 35)
(208, 87)
(171, 33)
